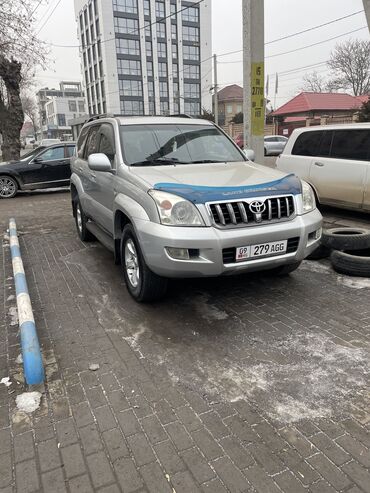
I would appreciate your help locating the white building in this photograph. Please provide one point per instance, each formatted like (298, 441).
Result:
(57, 106)
(146, 56)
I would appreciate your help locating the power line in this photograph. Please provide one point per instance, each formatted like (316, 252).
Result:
(315, 27)
(296, 49)
(37, 6)
(134, 31)
(318, 43)
(48, 17)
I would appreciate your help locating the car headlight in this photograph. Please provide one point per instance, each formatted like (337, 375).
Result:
(176, 211)
(308, 198)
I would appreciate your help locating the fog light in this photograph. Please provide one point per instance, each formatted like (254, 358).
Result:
(318, 234)
(178, 253)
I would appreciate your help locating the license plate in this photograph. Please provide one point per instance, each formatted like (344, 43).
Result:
(261, 250)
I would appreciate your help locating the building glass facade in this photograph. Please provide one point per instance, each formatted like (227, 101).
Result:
(157, 52)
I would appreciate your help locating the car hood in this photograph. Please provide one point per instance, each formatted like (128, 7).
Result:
(202, 183)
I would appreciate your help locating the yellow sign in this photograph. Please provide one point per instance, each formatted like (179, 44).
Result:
(258, 99)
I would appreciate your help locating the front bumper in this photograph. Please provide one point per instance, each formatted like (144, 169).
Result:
(211, 241)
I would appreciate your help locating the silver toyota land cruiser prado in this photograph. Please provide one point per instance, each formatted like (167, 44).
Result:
(174, 197)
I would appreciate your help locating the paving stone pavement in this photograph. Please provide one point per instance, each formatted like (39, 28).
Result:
(236, 385)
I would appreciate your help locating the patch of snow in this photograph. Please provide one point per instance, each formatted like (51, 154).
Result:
(19, 359)
(314, 266)
(13, 314)
(6, 381)
(28, 402)
(6, 237)
(354, 282)
(10, 298)
(94, 366)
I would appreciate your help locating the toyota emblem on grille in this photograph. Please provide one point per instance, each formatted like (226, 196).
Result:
(257, 208)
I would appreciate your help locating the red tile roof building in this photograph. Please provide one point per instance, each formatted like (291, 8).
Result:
(311, 108)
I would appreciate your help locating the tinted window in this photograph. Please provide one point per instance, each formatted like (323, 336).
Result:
(52, 154)
(70, 150)
(351, 144)
(92, 141)
(325, 144)
(106, 144)
(307, 144)
(180, 143)
(82, 141)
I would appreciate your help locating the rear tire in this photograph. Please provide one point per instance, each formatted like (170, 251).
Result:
(81, 220)
(142, 284)
(8, 187)
(352, 263)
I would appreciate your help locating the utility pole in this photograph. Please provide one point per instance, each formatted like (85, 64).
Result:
(215, 87)
(253, 75)
(367, 11)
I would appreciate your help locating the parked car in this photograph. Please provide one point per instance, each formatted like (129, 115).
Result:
(44, 167)
(335, 160)
(175, 198)
(274, 144)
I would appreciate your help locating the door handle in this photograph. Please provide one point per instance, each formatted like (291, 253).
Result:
(319, 164)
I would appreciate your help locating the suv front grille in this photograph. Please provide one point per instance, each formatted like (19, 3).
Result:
(229, 254)
(238, 212)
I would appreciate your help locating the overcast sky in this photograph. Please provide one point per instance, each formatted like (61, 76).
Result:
(282, 17)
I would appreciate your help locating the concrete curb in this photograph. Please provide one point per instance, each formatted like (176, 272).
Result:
(32, 359)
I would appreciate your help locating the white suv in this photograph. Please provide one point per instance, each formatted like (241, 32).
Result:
(335, 160)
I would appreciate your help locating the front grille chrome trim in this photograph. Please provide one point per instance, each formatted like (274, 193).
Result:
(227, 214)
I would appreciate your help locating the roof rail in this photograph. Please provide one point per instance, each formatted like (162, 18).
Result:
(180, 115)
(97, 117)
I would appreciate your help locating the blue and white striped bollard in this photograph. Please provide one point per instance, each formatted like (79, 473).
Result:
(31, 353)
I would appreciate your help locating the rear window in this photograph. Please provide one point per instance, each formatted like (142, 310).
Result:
(351, 144)
(308, 144)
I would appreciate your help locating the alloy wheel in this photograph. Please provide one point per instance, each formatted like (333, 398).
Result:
(7, 187)
(132, 263)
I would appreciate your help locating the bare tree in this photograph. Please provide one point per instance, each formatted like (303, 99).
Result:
(350, 63)
(20, 50)
(314, 82)
(30, 109)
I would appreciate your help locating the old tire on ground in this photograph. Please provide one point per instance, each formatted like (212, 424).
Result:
(321, 251)
(142, 284)
(346, 238)
(81, 221)
(284, 270)
(352, 263)
(8, 187)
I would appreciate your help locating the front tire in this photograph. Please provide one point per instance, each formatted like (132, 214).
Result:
(81, 221)
(142, 284)
(8, 187)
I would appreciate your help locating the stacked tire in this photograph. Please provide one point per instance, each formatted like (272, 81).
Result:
(349, 250)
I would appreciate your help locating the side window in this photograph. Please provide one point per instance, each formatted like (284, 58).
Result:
(82, 141)
(351, 144)
(92, 141)
(52, 154)
(70, 150)
(307, 144)
(106, 143)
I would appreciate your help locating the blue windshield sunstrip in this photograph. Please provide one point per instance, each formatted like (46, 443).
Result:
(199, 194)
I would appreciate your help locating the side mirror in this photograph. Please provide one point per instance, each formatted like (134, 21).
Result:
(38, 160)
(250, 154)
(99, 162)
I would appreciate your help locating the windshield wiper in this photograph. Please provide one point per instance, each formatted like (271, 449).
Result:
(206, 161)
(161, 161)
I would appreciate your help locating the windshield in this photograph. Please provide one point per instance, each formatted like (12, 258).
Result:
(155, 145)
